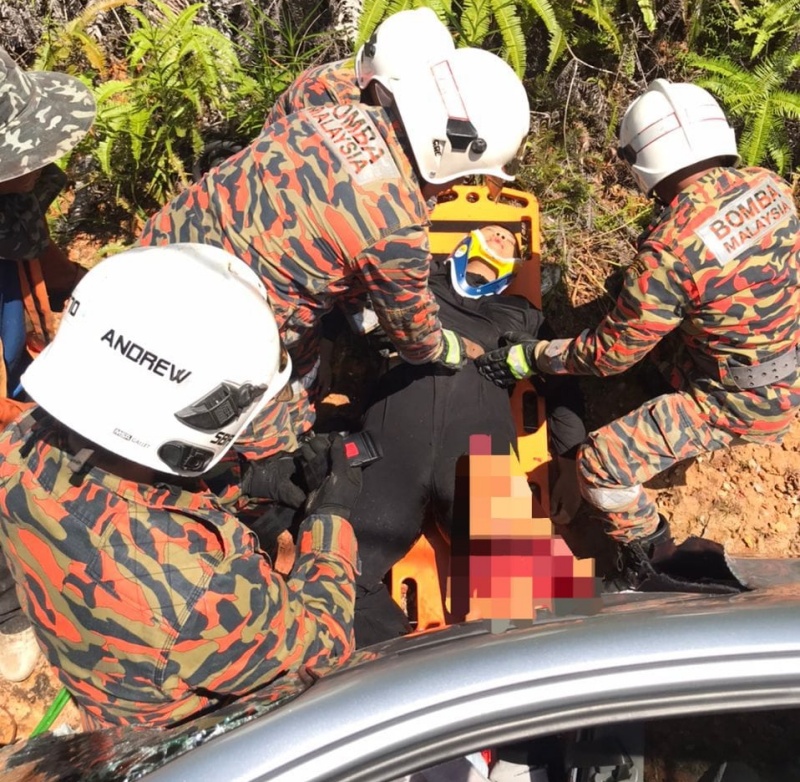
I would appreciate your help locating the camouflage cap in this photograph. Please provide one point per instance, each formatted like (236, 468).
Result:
(42, 116)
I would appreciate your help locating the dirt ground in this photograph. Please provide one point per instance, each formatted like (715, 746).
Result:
(747, 498)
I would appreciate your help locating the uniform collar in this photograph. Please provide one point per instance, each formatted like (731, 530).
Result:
(158, 494)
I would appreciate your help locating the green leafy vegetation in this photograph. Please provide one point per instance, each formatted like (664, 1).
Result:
(273, 51)
(758, 82)
(179, 83)
(475, 21)
(64, 45)
(173, 77)
(180, 74)
(760, 99)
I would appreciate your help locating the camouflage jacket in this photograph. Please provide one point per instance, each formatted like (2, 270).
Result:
(332, 82)
(153, 602)
(720, 268)
(322, 202)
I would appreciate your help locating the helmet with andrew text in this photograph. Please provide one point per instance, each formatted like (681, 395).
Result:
(153, 336)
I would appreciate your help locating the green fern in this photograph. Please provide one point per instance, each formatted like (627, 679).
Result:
(148, 126)
(474, 20)
(544, 11)
(372, 15)
(601, 15)
(443, 8)
(60, 44)
(510, 27)
(557, 47)
(770, 22)
(758, 97)
(375, 11)
(696, 14)
(647, 8)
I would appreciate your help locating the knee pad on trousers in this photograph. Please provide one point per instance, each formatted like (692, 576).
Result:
(611, 500)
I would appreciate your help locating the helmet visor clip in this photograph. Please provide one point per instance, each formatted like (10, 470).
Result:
(220, 407)
(184, 458)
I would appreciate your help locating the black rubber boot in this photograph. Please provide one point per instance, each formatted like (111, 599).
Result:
(636, 558)
(659, 542)
(653, 563)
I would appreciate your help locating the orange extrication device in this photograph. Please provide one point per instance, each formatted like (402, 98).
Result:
(423, 572)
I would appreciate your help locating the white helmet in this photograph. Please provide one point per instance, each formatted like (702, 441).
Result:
(149, 361)
(415, 34)
(465, 114)
(672, 126)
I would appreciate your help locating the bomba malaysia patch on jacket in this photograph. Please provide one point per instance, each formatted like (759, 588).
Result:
(323, 201)
(718, 272)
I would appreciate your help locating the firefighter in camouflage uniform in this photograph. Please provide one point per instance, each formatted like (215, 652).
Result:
(335, 199)
(150, 598)
(43, 116)
(713, 292)
(355, 80)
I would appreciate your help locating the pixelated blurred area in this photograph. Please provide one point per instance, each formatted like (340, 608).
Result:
(512, 563)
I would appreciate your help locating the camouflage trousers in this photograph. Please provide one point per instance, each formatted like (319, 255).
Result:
(619, 457)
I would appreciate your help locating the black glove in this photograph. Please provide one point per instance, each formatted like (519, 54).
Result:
(312, 460)
(513, 361)
(341, 488)
(270, 524)
(288, 477)
(272, 478)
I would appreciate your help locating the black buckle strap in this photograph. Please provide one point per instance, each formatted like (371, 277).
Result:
(765, 373)
(742, 377)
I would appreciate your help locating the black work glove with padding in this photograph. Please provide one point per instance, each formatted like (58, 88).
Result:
(289, 477)
(340, 489)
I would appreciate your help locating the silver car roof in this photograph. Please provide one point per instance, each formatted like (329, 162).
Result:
(412, 702)
(423, 699)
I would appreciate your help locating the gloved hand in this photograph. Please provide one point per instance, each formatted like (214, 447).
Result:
(271, 478)
(288, 477)
(269, 526)
(340, 489)
(312, 460)
(514, 361)
(454, 354)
